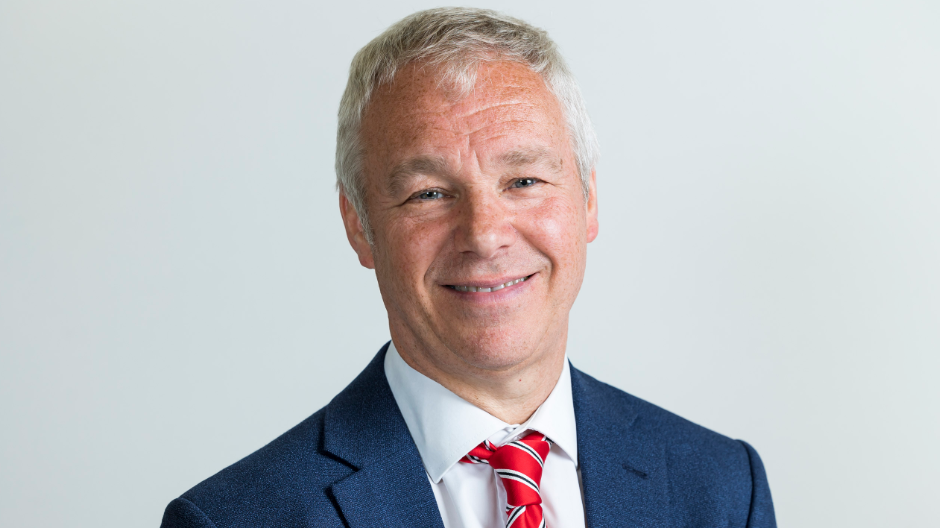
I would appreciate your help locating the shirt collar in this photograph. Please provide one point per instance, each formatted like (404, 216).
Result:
(446, 427)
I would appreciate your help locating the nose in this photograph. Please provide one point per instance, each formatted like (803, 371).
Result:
(484, 225)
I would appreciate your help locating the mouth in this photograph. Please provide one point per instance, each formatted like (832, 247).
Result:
(487, 288)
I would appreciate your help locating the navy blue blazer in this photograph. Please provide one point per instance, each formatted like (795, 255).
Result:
(353, 464)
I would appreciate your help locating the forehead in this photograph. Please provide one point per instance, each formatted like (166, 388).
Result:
(509, 108)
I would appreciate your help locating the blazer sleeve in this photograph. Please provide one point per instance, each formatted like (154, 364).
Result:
(761, 514)
(182, 513)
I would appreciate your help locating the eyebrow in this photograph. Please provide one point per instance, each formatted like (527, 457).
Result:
(401, 173)
(436, 165)
(531, 156)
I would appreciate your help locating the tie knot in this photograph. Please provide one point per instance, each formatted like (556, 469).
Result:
(519, 465)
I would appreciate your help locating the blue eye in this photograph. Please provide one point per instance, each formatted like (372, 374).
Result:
(524, 182)
(430, 195)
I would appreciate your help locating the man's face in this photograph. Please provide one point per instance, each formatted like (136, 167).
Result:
(475, 193)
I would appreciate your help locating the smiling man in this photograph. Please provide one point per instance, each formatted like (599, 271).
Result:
(465, 163)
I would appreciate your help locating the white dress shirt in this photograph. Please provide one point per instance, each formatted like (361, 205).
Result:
(445, 428)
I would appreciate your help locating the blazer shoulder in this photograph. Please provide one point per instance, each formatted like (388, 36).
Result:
(666, 427)
(288, 482)
(707, 471)
(282, 483)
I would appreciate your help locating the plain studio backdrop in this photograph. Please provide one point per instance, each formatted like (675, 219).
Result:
(176, 288)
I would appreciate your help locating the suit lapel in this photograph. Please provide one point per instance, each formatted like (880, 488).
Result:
(364, 427)
(623, 472)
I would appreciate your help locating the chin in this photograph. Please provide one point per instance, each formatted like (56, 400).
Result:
(495, 349)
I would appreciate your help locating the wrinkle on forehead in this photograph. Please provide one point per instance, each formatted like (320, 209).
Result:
(475, 108)
(499, 114)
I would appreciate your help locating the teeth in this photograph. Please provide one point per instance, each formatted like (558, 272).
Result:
(487, 290)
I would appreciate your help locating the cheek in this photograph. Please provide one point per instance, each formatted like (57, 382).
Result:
(557, 228)
(409, 250)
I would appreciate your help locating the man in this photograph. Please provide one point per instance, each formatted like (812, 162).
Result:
(465, 164)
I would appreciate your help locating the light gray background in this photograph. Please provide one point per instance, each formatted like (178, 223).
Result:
(176, 289)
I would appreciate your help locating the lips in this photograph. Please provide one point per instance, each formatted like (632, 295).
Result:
(478, 288)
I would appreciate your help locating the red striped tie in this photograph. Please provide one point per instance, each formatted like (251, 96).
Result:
(519, 465)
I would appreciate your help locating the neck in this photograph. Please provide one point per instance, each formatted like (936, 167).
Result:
(511, 393)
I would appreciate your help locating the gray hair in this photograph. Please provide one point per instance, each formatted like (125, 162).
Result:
(456, 40)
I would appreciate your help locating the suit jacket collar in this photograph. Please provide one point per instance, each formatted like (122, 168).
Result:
(623, 471)
(363, 427)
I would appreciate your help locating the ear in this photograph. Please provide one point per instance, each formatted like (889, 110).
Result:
(355, 233)
(592, 226)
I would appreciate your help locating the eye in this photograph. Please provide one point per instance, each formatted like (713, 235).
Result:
(429, 195)
(524, 182)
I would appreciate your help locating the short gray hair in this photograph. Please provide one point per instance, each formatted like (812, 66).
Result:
(456, 40)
